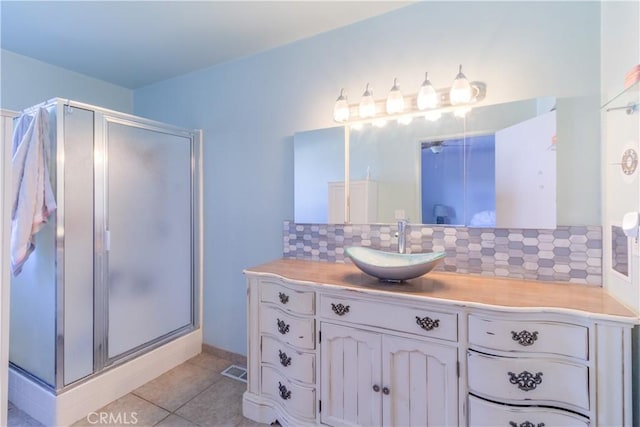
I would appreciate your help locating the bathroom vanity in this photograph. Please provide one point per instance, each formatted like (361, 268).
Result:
(330, 345)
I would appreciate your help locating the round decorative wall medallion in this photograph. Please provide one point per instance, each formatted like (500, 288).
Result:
(629, 161)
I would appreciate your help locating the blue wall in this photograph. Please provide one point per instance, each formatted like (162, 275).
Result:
(25, 82)
(249, 110)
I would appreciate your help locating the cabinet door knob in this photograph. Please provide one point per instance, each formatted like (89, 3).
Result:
(385, 390)
(284, 298)
(525, 424)
(524, 338)
(427, 323)
(284, 360)
(283, 328)
(525, 380)
(340, 309)
(284, 393)
(376, 388)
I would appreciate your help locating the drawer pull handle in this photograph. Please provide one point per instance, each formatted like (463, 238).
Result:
(525, 424)
(284, 360)
(525, 380)
(385, 390)
(283, 328)
(340, 309)
(427, 323)
(524, 338)
(284, 393)
(284, 298)
(376, 388)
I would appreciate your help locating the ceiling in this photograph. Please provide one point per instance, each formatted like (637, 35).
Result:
(137, 43)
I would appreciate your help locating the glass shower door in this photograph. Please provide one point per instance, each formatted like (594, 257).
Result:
(148, 236)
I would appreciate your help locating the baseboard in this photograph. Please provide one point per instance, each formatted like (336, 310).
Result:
(235, 358)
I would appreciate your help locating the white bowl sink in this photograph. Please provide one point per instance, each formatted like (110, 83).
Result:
(392, 266)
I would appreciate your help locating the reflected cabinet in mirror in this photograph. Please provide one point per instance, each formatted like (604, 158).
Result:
(493, 167)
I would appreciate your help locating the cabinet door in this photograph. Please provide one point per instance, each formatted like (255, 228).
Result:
(420, 383)
(350, 370)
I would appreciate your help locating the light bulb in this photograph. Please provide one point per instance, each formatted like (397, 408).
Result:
(341, 108)
(405, 120)
(460, 92)
(461, 112)
(395, 100)
(427, 95)
(433, 115)
(367, 105)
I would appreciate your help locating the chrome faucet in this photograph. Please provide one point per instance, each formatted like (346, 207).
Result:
(401, 234)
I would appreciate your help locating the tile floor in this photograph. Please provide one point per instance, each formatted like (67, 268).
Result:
(192, 394)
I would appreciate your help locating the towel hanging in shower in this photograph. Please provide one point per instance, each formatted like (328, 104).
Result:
(32, 196)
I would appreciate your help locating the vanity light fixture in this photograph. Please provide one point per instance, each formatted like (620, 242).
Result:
(395, 100)
(379, 123)
(341, 108)
(429, 102)
(367, 104)
(433, 116)
(461, 91)
(427, 95)
(461, 112)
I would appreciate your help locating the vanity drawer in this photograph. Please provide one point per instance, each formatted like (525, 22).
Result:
(419, 321)
(294, 364)
(299, 302)
(483, 413)
(296, 399)
(531, 380)
(529, 336)
(298, 331)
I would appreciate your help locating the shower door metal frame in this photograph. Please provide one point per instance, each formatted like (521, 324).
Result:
(101, 260)
(57, 174)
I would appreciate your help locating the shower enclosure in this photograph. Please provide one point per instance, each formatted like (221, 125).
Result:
(117, 269)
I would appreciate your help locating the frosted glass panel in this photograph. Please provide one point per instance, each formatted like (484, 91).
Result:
(33, 310)
(32, 334)
(149, 219)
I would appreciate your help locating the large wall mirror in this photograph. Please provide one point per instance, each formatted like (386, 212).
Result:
(494, 167)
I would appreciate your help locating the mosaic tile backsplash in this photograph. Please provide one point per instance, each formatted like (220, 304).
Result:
(565, 254)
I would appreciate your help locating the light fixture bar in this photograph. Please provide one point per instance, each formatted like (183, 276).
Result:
(411, 106)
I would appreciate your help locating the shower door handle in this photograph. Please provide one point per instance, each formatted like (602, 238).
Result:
(107, 240)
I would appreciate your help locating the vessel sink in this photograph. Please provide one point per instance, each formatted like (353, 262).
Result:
(391, 266)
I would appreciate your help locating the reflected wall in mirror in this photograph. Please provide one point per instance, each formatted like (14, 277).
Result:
(503, 177)
(449, 194)
(318, 160)
(619, 251)
(391, 175)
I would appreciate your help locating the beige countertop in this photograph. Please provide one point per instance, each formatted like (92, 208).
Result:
(459, 288)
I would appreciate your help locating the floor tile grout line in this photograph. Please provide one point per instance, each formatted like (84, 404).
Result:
(179, 416)
(175, 412)
(148, 401)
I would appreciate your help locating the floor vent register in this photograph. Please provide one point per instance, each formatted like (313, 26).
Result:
(236, 372)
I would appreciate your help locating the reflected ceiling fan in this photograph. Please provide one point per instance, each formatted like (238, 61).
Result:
(437, 146)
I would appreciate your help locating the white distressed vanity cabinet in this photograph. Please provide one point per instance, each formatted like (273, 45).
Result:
(330, 345)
